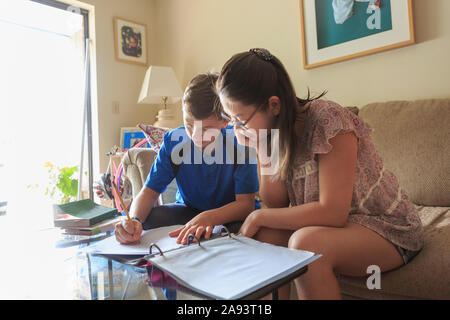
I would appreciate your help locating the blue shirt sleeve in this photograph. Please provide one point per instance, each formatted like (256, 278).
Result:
(161, 173)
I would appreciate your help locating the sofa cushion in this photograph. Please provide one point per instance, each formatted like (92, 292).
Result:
(425, 277)
(413, 138)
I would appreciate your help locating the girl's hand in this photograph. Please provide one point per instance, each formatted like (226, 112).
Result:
(251, 224)
(200, 225)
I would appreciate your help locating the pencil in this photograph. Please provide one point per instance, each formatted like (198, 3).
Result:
(121, 200)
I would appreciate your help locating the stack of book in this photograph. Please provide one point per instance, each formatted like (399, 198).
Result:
(85, 217)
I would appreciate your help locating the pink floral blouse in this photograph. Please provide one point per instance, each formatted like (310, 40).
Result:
(378, 202)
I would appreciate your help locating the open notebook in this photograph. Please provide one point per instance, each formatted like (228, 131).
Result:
(226, 267)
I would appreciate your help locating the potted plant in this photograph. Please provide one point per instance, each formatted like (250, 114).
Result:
(63, 183)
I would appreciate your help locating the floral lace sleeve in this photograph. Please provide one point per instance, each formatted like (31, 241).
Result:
(331, 120)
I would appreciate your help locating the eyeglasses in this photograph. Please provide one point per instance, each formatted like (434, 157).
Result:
(243, 125)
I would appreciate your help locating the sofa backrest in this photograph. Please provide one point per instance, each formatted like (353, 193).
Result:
(413, 139)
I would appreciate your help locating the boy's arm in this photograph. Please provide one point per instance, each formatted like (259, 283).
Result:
(237, 210)
(160, 175)
(204, 222)
(143, 204)
(128, 232)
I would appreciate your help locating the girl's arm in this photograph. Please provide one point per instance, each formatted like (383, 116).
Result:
(336, 179)
(273, 193)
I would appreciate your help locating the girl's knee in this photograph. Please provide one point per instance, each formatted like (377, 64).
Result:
(307, 238)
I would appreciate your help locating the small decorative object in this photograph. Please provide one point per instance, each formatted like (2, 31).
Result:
(130, 137)
(338, 30)
(154, 135)
(130, 39)
(161, 86)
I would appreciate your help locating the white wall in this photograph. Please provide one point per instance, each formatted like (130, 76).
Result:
(195, 36)
(200, 35)
(119, 81)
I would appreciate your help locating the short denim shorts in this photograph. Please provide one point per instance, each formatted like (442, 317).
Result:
(407, 255)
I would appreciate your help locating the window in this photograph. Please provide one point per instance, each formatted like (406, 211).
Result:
(42, 102)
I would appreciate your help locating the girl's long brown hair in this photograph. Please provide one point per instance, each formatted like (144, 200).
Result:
(251, 80)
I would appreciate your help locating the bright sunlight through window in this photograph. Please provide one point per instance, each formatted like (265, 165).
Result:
(41, 105)
(41, 116)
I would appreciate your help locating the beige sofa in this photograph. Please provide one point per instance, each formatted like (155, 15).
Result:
(413, 139)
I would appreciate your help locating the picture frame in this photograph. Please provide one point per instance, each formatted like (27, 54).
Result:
(326, 39)
(130, 41)
(131, 136)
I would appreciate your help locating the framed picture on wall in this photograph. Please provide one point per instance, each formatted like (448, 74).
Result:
(130, 137)
(338, 30)
(130, 38)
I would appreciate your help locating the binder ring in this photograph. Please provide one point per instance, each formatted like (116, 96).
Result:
(226, 229)
(191, 237)
(156, 246)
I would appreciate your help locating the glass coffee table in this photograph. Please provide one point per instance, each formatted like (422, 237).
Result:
(103, 278)
(97, 277)
(50, 266)
(112, 279)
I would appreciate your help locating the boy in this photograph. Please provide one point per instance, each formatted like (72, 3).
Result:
(212, 190)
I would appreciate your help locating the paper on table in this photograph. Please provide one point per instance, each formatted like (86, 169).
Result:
(160, 236)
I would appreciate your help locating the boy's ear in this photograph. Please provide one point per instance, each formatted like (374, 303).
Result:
(274, 105)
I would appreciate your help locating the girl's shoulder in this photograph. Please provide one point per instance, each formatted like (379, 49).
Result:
(330, 113)
(325, 108)
(326, 119)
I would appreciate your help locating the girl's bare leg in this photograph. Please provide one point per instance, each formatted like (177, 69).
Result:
(348, 251)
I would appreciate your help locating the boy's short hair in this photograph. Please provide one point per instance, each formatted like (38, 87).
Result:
(200, 99)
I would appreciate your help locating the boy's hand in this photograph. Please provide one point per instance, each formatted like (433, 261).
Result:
(128, 231)
(202, 224)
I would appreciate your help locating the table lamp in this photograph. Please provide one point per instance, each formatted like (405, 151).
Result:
(161, 86)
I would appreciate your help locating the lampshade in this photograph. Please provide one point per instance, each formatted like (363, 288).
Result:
(160, 82)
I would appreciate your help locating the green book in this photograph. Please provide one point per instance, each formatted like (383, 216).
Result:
(83, 213)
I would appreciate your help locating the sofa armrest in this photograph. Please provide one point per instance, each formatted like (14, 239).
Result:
(136, 166)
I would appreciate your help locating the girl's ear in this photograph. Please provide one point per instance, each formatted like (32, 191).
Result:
(274, 105)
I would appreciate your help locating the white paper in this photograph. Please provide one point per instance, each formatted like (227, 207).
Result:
(231, 268)
(159, 236)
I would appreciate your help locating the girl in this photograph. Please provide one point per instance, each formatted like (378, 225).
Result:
(331, 193)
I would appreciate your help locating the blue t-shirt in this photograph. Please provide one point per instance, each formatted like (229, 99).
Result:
(204, 182)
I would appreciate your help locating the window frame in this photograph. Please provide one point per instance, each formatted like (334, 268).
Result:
(85, 14)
